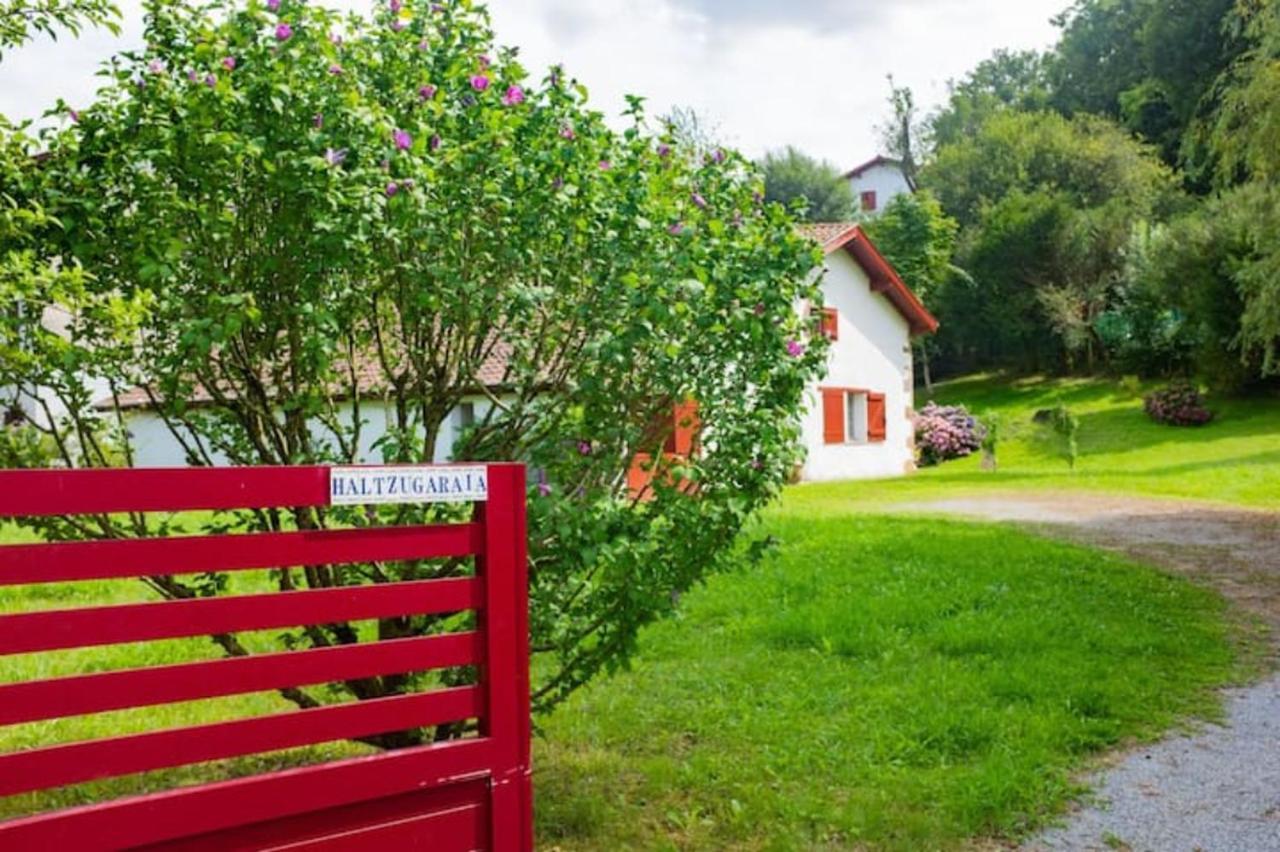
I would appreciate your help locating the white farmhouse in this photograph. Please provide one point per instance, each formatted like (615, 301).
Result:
(877, 182)
(858, 422)
(858, 418)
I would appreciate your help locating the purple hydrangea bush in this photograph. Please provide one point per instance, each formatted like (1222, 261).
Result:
(945, 432)
(1179, 404)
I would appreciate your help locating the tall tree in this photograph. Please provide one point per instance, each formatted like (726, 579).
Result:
(1007, 80)
(29, 275)
(919, 239)
(1150, 64)
(1046, 205)
(324, 226)
(902, 131)
(792, 177)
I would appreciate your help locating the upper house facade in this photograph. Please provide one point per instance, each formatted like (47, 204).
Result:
(877, 182)
(859, 418)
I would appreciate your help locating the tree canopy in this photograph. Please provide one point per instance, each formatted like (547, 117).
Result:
(293, 220)
(815, 188)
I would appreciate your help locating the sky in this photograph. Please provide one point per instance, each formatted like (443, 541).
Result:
(761, 74)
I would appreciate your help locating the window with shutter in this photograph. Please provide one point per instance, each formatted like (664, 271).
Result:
(877, 425)
(833, 415)
(830, 323)
(685, 434)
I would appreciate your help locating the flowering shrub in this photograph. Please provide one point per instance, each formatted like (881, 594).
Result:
(946, 432)
(325, 225)
(1177, 405)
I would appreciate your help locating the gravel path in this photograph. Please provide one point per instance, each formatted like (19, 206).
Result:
(1217, 790)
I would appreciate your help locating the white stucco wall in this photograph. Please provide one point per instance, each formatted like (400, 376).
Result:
(886, 181)
(155, 446)
(873, 352)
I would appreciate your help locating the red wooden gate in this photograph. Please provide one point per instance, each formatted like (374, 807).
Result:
(465, 794)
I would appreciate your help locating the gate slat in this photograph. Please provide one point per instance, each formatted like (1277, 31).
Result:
(113, 625)
(38, 493)
(74, 763)
(213, 807)
(99, 693)
(99, 560)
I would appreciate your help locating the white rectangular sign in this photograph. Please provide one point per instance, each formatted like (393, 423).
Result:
(360, 486)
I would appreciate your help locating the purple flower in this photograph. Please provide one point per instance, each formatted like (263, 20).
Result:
(394, 6)
(676, 229)
(156, 66)
(335, 69)
(664, 151)
(392, 189)
(403, 140)
(273, 5)
(699, 200)
(426, 93)
(229, 63)
(424, 45)
(485, 61)
(397, 24)
(317, 121)
(479, 82)
(756, 464)
(335, 39)
(210, 80)
(192, 75)
(795, 348)
(605, 165)
(74, 116)
(335, 156)
(719, 155)
(584, 448)
(514, 95)
(436, 142)
(284, 32)
(544, 489)
(567, 132)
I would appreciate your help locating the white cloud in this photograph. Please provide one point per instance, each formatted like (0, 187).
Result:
(766, 73)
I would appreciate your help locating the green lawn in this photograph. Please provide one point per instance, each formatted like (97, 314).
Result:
(1235, 459)
(899, 683)
(888, 683)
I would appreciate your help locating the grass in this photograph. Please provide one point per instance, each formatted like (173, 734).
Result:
(1234, 460)
(888, 683)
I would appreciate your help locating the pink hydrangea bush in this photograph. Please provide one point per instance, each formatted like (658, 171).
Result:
(945, 432)
(1179, 404)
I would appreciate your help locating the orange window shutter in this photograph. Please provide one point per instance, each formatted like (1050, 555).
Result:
(831, 323)
(686, 429)
(877, 426)
(833, 415)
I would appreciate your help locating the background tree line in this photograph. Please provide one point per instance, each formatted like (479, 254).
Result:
(1110, 204)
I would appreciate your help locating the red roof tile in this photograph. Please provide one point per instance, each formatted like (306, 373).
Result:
(884, 278)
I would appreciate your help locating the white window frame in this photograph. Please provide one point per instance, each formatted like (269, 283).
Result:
(857, 423)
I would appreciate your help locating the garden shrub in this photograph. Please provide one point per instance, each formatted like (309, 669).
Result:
(305, 214)
(1178, 404)
(945, 432)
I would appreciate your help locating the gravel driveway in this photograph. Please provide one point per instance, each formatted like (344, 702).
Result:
(1217, 790)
